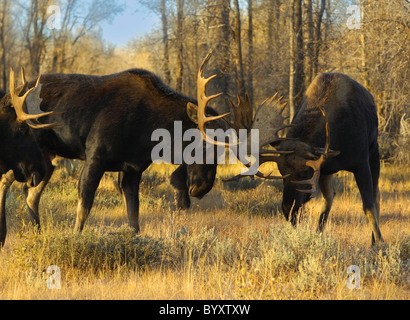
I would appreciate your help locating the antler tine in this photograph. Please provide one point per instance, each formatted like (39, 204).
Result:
(23, 76)
(12, 82)
(258, 173)
(312, 182)
(18, 103)
(262, 159)
(327, 145)
(264, 151)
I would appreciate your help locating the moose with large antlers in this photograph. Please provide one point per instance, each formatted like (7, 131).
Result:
(337, 113)
(107, 121)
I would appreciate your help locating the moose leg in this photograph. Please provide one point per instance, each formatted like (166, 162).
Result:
(328, 192)
(374, 163)
(129, 183)
(291, 205)
(364, 181)
(88, 184)
(179, 182)
(6, 181)
(33, 194)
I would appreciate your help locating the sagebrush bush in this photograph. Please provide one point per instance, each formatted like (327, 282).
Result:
(92, 250)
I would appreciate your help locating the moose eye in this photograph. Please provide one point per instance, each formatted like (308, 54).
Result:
(22, 129)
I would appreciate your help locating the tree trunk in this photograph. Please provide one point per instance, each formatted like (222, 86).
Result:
(317, 36)
(224, 45)
(219, 36)
(180, 41)
(3, 44)
(296, 74)
(250, 51)
(364, 66)
(309, 44)
(164, 22)
(239, 58)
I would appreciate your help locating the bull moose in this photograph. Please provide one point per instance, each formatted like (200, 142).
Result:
(353, 125)
(107, 121)
(337, 113)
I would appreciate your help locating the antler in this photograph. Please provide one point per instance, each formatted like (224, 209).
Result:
(242, 112)
(316, 164)
(269, 121)
(249, 173)
(203, 101)
(18, 103)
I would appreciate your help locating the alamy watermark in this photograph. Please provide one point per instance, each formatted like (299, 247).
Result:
(353, 281)
(355, 17)
(54, 19)
(54, 280)
(170, 149)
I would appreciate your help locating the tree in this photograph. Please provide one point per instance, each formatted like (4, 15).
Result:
(4, 32)
(240, 78)
(309, 48)
(296, 74)
(219, 39)
(317, 35)
(250, 51)
(73, 28)
(180, 44)
(36, 33)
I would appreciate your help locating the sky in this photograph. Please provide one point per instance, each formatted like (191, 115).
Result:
(134, 21)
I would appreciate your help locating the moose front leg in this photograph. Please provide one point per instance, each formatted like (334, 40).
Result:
(33, 194)
(6, 181)
(328, 192)
(179, 182)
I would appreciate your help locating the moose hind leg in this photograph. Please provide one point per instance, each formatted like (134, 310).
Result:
(374, 163)
(364, 181)
(88, 184)
(326, 187)
(129, 184)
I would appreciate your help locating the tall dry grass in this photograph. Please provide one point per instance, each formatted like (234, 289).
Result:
(233, 244)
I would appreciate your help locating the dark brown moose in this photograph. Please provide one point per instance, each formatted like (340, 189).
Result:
(337, 113)
(107, 121)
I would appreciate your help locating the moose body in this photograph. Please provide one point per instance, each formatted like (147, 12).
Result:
(337, 113)
(353, 126)
(107, 121)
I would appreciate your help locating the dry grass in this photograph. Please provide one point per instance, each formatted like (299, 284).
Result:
(233, 244)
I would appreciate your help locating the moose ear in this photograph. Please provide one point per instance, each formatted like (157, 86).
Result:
(192, 111)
